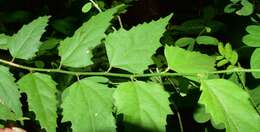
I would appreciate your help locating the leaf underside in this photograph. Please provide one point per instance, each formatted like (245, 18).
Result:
(88, 105)
(229, 106)
(9, 94)
(132, 50)
(26, 42)
(40, 90)
(184, 61)
(76, 51)
(143, 105)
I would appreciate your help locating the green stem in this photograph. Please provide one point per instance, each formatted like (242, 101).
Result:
(120, 74)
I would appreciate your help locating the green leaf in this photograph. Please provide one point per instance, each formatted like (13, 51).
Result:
(255, 62)
(247, 9)
(86, 8)
(229, 8)
(132, 50)
(3, 41)
(26, 42)
(228, 51)
(234, 58)
(255, 94)
(251, 40)
(9, 94)
(144, 105)
(76, 51)
(184, 61)
(182, 42)
(6, 113)
(222, 63)
(40, 90)
(49, 44)
(221, 49)
(207, 40)
(92, 103)
(253, 29)
(200, 114)
(229, 106)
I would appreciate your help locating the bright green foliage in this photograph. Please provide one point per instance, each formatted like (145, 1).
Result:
(182, 42)
(207, 40)
(3, 41)
(255, 62)
(253, 38)
(6, 113)
(26, 42)
(255, 94)
(88, 105)
(86, 8)
(142, 104)
(227, 54)
(184, 61)
(40, 90)
(132, 50)
(247, 8)
(229, 106)
(87, 37)
(9, 94)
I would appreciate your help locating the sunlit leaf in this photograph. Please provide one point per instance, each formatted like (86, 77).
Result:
(207, 40)
(76, 51)
(9, 94)
(255, 94)
(247, 9)
(143, 105)
(88, 105)
(255, 62)
(132, 50)
(26, 42)
(184, 61)
(6, 113)
(40, 90)
(229, 106)
(86, 8)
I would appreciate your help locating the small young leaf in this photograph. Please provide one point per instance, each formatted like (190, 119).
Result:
(229, 106)
(132, 50)
(221, 49)
(140, 107)
(86, 8)
(184, 61)
(9, 94)
(75, 51)
(247, 9)
(182, 42)
(253, 29)
(251, 40)
(207, 40)
(229, 8)
(255, 62)
(3, 41)
(228, 51)
(234, 58)
(220, 57)
(26, 42)
(40, 90)
(222, 63)
(92, 102)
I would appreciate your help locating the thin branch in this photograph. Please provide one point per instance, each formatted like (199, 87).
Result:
(121, 74)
